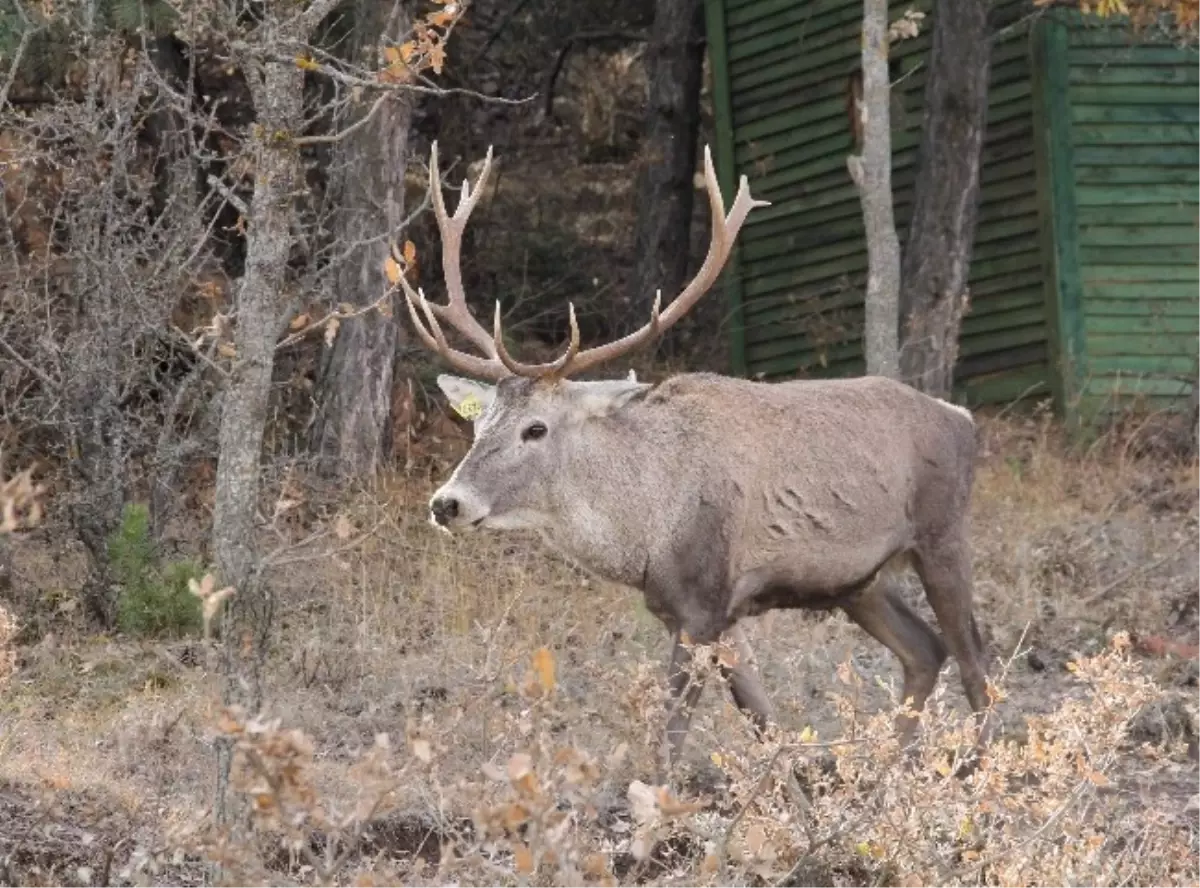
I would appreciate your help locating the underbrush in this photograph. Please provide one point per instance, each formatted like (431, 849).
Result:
(1059, 807)
(412, 739)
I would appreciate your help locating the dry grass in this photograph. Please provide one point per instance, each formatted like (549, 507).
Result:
(387, 627)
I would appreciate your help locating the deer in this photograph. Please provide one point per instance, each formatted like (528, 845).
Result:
(719, 498)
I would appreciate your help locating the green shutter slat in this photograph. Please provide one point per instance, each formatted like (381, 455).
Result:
(1187, 175)
(1150, 155)
(1160, 197)
(1095, 274)
(1156, 365)
(1177, 255)
(1134, 114)
(1119, 325)
(1134, 386)
(1157, 236)
(1137, 56)
(1129, 344)
(1135, 134)
(1134, 94)
(1114, 74)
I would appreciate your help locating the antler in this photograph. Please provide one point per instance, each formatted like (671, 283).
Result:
(724, 231)
(497, 362)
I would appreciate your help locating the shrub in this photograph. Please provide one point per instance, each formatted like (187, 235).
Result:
(153, 599)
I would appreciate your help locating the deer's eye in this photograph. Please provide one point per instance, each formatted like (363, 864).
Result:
(534, 431)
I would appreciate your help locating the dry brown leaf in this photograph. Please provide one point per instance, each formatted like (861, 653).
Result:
(756, 838)
(527, 785)
(519, 765)
(543, 667)
(671, 806)
(300, 320)
(226, 350)
(342, 528)
(523, 859)
(595, 865)
(391, 268)
(331, 331)
(422, 749)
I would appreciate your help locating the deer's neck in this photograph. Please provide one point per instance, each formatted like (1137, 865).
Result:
(625, 501)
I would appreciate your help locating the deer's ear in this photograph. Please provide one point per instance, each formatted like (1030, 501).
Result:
(468, 398)
(602, 397)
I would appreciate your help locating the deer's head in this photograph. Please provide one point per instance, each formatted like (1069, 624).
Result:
(532, 417)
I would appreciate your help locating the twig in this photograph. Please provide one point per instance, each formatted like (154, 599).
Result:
(979, 865)
(331, 138)
(505, 20)
(308, 20)
(1129, 575)
(348, 79)
(332, 316)
(198, 353)
(723, 847)
(222, 189)
(561, 59)
(16, 356)
(26, 37)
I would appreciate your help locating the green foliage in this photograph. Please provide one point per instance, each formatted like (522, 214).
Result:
(154, 599)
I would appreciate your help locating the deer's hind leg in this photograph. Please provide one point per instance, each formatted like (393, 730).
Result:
(883, 614)
(685, 684)
(945, 572)
(745, 684)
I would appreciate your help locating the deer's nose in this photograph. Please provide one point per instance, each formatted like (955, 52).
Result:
(444, 509)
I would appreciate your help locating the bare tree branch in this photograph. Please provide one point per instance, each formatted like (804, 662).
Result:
(26, 37)
(223, 189)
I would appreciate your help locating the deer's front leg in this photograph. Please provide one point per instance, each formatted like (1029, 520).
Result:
(745, 683)
(685, 685)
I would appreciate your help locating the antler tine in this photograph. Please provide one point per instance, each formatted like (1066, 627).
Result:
(455, 311)
(551, 369)
(435, 340)
(724, 231)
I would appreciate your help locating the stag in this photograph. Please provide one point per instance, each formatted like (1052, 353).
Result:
(718, 498)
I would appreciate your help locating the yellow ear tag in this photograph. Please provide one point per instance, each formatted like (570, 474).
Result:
(469, 407)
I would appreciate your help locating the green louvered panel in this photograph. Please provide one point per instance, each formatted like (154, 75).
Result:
(1135, 143)
(802, 262)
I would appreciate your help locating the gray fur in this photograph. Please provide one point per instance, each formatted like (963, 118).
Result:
(721, 498)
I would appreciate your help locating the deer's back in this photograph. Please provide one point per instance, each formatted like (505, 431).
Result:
(843, 471)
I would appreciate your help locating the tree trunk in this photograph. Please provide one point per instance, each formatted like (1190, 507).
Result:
(937, 253)
(247, 621)
(352, 433)
(872, 174)
(674, 60)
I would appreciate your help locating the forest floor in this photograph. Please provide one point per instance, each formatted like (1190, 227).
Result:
(385, 626)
